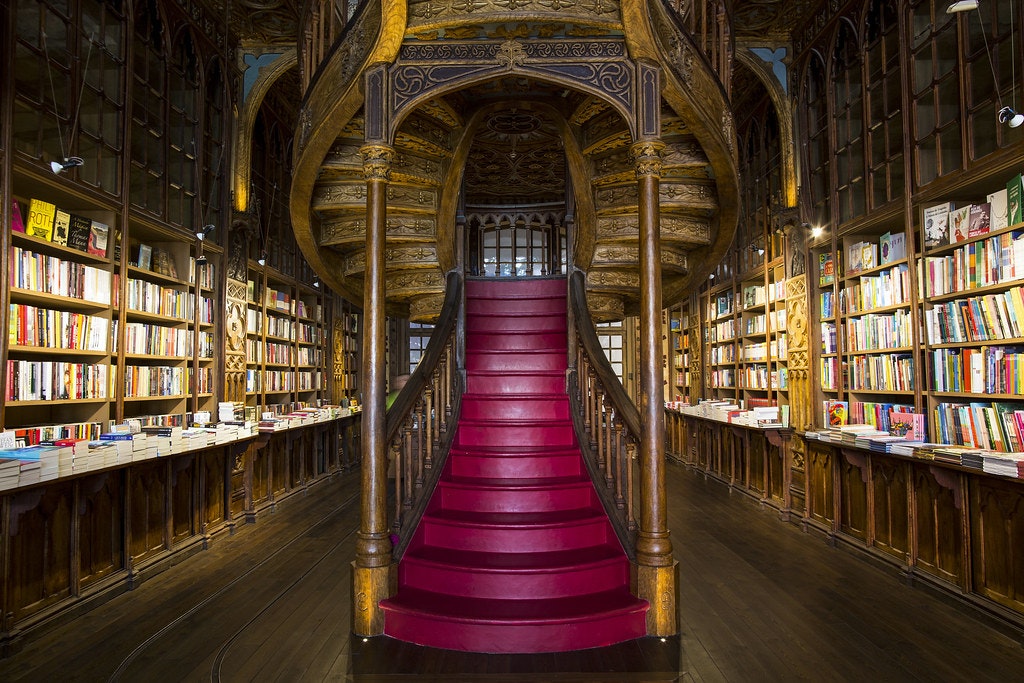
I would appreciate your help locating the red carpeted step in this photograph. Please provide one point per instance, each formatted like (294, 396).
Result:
(509, 626)
(515, 361)
(516, 494)
(537, 408)
(520, 384)
(517, 305)
(491, 434)
(515, 289)
(516, 576)
(516, 341)
(517, 532)
(518, 323)
(512, 462)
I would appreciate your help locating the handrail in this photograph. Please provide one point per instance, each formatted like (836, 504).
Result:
(323, 25)
(418, 424)
(715, 45)
(606, 420)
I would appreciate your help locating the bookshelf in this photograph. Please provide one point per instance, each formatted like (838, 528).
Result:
(972, 277)
(680, 352)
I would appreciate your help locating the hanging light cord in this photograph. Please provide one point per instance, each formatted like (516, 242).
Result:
(53, 93)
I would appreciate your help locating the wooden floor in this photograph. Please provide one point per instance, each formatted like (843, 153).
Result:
(760, 601)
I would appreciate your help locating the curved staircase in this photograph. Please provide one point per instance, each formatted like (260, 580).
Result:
(515, 553)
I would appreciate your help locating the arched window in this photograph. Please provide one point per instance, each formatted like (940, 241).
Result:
(149, 106)
(517, 245)
(818, 152)
(936, 91)
(182, 131)
(885, 121)
(848, 111)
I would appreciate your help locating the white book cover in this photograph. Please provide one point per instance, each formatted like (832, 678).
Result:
(998, 216)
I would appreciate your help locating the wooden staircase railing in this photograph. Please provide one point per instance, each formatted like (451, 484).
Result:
(420, 423)
(606, 420)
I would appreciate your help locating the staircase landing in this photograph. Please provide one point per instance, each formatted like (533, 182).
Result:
(515, 553)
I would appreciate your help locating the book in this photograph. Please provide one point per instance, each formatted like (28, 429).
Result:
(837, 412)
(997, 210)
(99, 235)
(78, 232)
(979, 222)
(145, 257)
(869, 255)
(826, 269)
(897, 246)
(936, 225)
(959, 224)
(856, 258)
(908, 425)
(17, 222)
(61, 226)
(1014, 197)
(40, 219)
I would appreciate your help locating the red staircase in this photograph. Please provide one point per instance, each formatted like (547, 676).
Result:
(514, 553)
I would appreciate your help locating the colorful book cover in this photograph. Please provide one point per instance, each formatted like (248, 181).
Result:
(997, 210)
(979, 222)
(856, 258)
(40, 219)
(99, 234)
(885, 247)
(826, 269)
(78, 232)
(907, 424)
(837, 412)
(936, 225)
(17, 222)
(959, 224)
(1014, 197)
(869, 255)
(61, 226)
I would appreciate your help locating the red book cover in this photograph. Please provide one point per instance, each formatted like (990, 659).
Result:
(17, 222)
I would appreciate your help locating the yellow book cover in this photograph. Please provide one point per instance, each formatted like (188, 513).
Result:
(40, 219)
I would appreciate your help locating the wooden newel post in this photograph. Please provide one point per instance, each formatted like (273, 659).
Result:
(372, 568)
(655, 564)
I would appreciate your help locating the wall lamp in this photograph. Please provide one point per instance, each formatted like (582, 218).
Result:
(262, 260)
(67, 164)
(1006, 115)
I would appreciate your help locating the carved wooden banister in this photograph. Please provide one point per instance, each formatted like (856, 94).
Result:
(606, 420)
(707, 26)
(321, 26)
(420, 423)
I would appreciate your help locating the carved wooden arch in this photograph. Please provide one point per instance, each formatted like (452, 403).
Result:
(449, 205)
(268, 75)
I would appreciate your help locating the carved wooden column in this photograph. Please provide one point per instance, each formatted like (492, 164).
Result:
(655, 565)
(371, 570)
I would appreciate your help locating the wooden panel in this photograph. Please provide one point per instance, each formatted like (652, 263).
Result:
(819, 484)
(891, 506)
(183, 498)
(755, 467)
(260, 475)
(214, 475)
(40, 549)
(776, 472)
(853, 492)
(278, 464)
(100, 526)
(999, 541)
(938, 524)
(239, 460)
(147, 509)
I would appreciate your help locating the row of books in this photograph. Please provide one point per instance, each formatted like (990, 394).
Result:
(47, 222)
(995, 426)
(996, 260)
(867, 254)
(894, 418)
(990, 317)
(947, 223)
(43, 327)
(762, 416)
(890, 287)
(985, 370)
(879, 331)
(31, 380)
(37, 272)
(168, 302)
(882, 372)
